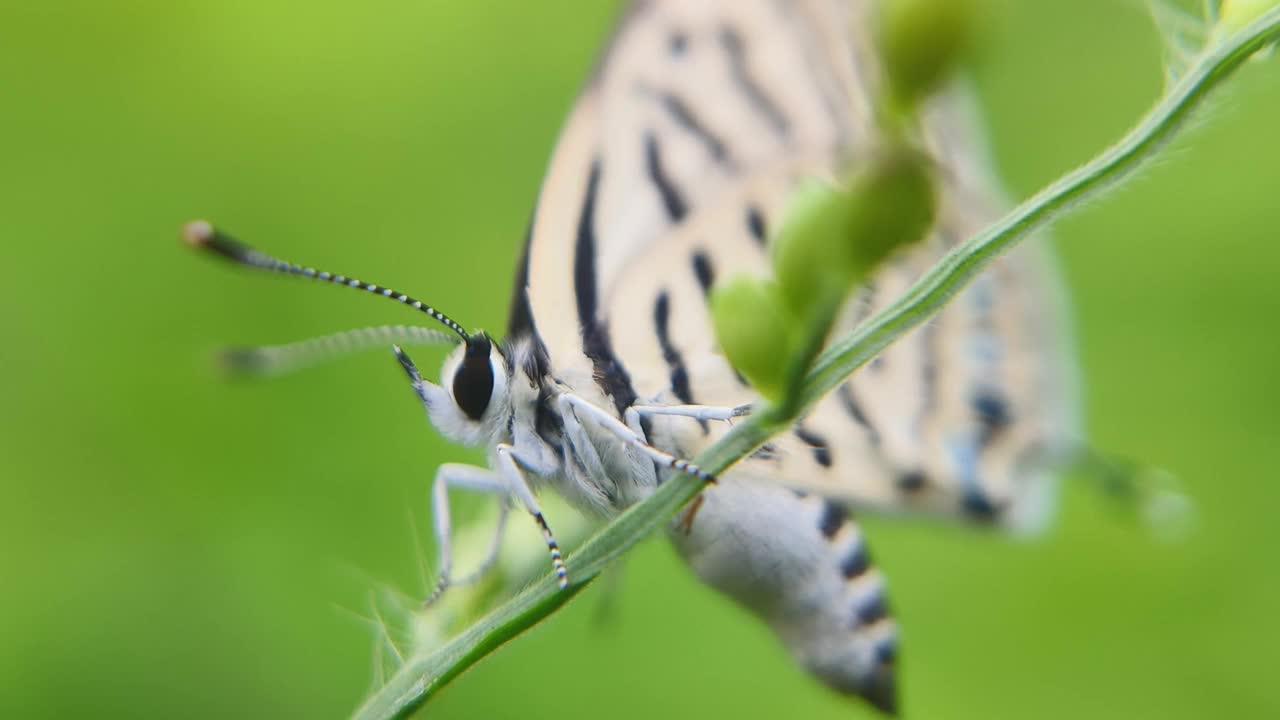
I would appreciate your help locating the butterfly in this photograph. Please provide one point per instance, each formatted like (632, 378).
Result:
(679, 156)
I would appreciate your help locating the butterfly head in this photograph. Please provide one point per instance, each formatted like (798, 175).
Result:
(471, 404)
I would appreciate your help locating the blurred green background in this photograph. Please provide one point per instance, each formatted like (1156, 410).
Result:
(173, 545)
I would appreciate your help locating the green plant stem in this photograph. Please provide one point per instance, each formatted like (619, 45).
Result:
(426, 673)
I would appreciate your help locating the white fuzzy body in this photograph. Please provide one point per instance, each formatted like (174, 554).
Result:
(763, 546)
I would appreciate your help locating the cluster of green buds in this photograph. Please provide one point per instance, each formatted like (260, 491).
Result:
(832, 237)
(835, 234)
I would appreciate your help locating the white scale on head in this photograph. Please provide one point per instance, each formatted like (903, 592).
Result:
(701, 118)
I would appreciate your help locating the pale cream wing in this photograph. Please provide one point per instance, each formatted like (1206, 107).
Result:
(691, 98)
(681, 151)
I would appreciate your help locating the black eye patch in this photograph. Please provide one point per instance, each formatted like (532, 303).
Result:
(473, 383)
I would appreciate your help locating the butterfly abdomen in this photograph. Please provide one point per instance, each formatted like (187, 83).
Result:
(800, 563)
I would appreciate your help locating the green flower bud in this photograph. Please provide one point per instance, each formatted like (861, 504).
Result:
(892, 205)
(809, 257)
(832, 237)
(1236, 15)
(920, 42)
(755, 331)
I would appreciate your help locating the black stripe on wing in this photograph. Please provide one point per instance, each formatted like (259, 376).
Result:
(610, 374)
(849, 401)
(675, 361)
(991, 408)
(756, 225)
(757, 98)
(703, 271)
(684, 117)
(818, 444)
(679, 375)
(672, 199)
(520, 324)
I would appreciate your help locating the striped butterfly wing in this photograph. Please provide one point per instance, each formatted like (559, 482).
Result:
(692, 98)
(699, 122)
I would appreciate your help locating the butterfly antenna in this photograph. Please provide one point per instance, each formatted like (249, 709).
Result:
(201, 235)
(272, 360)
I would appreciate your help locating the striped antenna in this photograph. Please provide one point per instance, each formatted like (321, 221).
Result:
(201, 235)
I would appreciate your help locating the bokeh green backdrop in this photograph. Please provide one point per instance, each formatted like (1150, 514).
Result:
(175, 546)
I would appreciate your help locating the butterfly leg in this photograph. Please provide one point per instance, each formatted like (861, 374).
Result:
(701, 413)
(584, 450)
(697, 412)
(466, 477)
(605, 473)
(510, 467)
(632, 417)
(509, 481)
(570, 403)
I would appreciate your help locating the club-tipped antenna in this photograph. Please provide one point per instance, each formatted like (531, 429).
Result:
(202, 235)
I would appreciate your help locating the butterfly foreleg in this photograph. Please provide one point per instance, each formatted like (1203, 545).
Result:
(697, 412)
(604, 473)
(511, 466)
(466, 477)
(584, 449)
(571, 404)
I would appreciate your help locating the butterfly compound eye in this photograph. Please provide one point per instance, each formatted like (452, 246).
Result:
(473, 383)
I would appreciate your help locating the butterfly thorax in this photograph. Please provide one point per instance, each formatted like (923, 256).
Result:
(590, 467)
